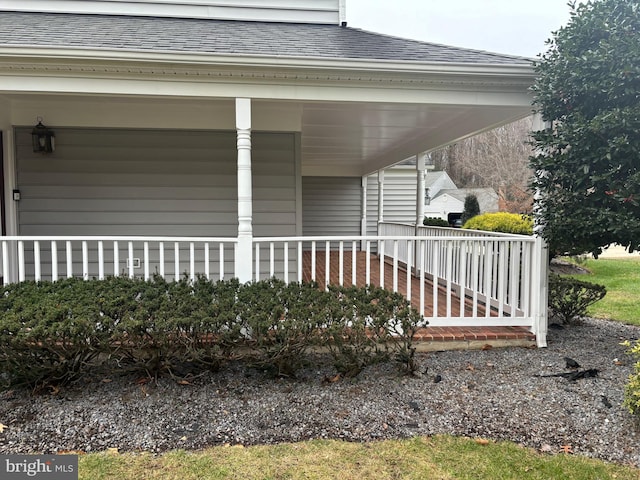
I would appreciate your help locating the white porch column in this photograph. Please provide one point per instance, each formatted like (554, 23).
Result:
(420, 166)
(363, 209)
(244, 248)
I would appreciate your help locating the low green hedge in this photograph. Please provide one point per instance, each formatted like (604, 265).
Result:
(56, 332)
(435, 222)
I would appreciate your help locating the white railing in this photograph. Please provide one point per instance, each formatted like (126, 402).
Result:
(455, 280)
(52, 258)
(479, 280)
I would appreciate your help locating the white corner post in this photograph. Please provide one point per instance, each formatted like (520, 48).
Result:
(540, 291)
(420, 166)
(540, 276)
(244, 247)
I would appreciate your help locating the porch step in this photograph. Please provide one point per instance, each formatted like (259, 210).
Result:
(472, 338)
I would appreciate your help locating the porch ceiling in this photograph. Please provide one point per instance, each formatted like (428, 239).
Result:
(361, 138)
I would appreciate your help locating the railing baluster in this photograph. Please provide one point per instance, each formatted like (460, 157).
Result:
(463, 275)
(221, 260)
(5, 262)
(381, 254)
(475, 275)
(435, 259)
(272, 260)
(131, 262)
(354, 263)
(37, 266)
(488, 251)
(192, 261)
(449, 247)
(341, 263)
(116, 259)
(422, 244)
(21, 265)
(300, 266)
(409, 270)
(515, 277)
(285, 262)
(526, 279)
(313, 261)
(502, 277)
(395, 265)
(257, 274)
(206, 261)
(145, 252)
(327, 264)
(161, 259)
(367, 267)
(85, 260)
(69, 259)
(100, 260)
(176, 261)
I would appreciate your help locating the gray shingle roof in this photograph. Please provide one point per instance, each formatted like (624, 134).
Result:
(182, 35)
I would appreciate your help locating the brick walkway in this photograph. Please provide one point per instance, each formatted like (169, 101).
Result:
(430, 334)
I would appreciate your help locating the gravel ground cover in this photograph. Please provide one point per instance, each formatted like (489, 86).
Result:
(494, 393)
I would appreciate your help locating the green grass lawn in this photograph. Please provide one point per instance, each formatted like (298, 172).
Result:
(441, 457)
(621, 276)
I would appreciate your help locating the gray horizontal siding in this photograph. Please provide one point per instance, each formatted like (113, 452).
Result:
(143, 182)
(331, 206)
(399, 197)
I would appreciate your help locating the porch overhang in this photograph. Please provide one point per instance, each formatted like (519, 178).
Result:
(354, 116)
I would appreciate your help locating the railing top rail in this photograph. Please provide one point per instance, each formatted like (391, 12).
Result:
(524, 238)
(116, 238)
(233, 240)
(459, 232)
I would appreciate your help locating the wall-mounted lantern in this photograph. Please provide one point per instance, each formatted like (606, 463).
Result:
(44, 140)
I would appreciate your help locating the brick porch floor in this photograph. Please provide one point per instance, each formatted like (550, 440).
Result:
(462, 337)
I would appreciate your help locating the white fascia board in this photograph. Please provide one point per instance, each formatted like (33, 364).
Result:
(521, 71)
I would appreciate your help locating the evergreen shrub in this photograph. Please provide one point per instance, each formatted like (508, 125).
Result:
(501, 222)
(54, 332)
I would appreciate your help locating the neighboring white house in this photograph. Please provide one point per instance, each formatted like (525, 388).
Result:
(442, 199)
(448, 204)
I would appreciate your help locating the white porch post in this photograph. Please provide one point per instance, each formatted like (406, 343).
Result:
(420, 166)
(244, 247)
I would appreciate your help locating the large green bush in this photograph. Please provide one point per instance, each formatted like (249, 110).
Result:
(501, 222)
(56, 332)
